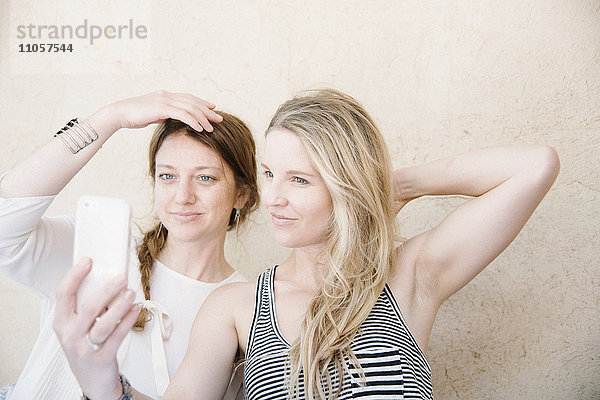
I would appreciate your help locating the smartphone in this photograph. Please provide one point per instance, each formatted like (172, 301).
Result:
(102, 229)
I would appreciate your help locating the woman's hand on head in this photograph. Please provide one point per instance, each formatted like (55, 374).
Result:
(104, 319)
(141, 111)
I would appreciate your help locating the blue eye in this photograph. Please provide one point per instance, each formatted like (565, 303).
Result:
(206, 178)
(166, 177)
(299, 180)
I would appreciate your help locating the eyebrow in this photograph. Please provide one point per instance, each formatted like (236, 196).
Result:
(199, 168)
(291, 172)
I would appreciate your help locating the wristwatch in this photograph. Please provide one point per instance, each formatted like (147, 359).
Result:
(124, 384)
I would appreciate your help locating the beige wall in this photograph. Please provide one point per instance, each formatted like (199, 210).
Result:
(439, 77)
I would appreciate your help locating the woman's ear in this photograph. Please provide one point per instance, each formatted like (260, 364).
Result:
(242, 198)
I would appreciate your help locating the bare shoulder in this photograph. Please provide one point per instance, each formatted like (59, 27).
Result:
(235, 301)
(236, 290)
(232, 295)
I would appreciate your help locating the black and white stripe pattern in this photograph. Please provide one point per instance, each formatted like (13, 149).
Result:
(393, 366)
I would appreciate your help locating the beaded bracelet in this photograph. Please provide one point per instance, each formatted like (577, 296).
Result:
(124, 384)
(76, 135)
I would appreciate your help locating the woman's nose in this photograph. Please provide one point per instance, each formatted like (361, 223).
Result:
(274, 194)
(185, 193)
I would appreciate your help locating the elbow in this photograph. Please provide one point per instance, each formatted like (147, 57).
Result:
(544, 165)
(550, 162)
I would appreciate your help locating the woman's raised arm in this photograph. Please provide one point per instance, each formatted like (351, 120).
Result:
(48, 170)
(507, 184)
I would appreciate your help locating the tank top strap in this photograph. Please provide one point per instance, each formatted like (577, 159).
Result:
(387, 291)
(262, 302)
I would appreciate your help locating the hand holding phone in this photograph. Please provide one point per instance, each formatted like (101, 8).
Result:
(102, 229)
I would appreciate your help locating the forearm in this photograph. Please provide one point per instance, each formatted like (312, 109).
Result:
(50, 168)
(475, 172)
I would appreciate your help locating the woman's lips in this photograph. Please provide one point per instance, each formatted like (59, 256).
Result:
(281, 220)
(186, 216)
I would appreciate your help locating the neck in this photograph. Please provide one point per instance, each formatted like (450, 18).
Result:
(203, 261)
(303, 268)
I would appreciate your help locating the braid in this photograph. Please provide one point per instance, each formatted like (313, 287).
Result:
(152, 244)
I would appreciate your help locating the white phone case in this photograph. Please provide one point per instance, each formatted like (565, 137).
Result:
(102, 227)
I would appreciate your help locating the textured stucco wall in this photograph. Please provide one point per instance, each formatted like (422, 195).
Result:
(439, 77)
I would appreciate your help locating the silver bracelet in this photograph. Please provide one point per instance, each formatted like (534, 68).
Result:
(76, 135)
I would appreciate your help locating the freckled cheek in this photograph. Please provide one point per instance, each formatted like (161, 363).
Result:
(219, 200)
(162, 198)
(160, 209)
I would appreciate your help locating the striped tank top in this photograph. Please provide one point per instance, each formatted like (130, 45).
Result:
(393, 365)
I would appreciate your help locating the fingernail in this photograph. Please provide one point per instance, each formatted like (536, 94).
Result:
(136, 307)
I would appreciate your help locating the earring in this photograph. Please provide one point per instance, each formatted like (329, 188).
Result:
(236, 219)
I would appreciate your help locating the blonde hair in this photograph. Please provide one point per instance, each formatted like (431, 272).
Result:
(234, 142)
(350, 154)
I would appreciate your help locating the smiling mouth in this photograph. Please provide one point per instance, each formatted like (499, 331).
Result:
(186, 216)
(281, 220)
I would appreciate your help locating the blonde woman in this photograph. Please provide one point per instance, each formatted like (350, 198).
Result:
(349, 313)
(204, 185)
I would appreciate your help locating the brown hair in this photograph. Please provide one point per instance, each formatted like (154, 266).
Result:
(233, 141)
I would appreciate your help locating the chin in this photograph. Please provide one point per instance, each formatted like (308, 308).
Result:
(293, 241)
(190, 232)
